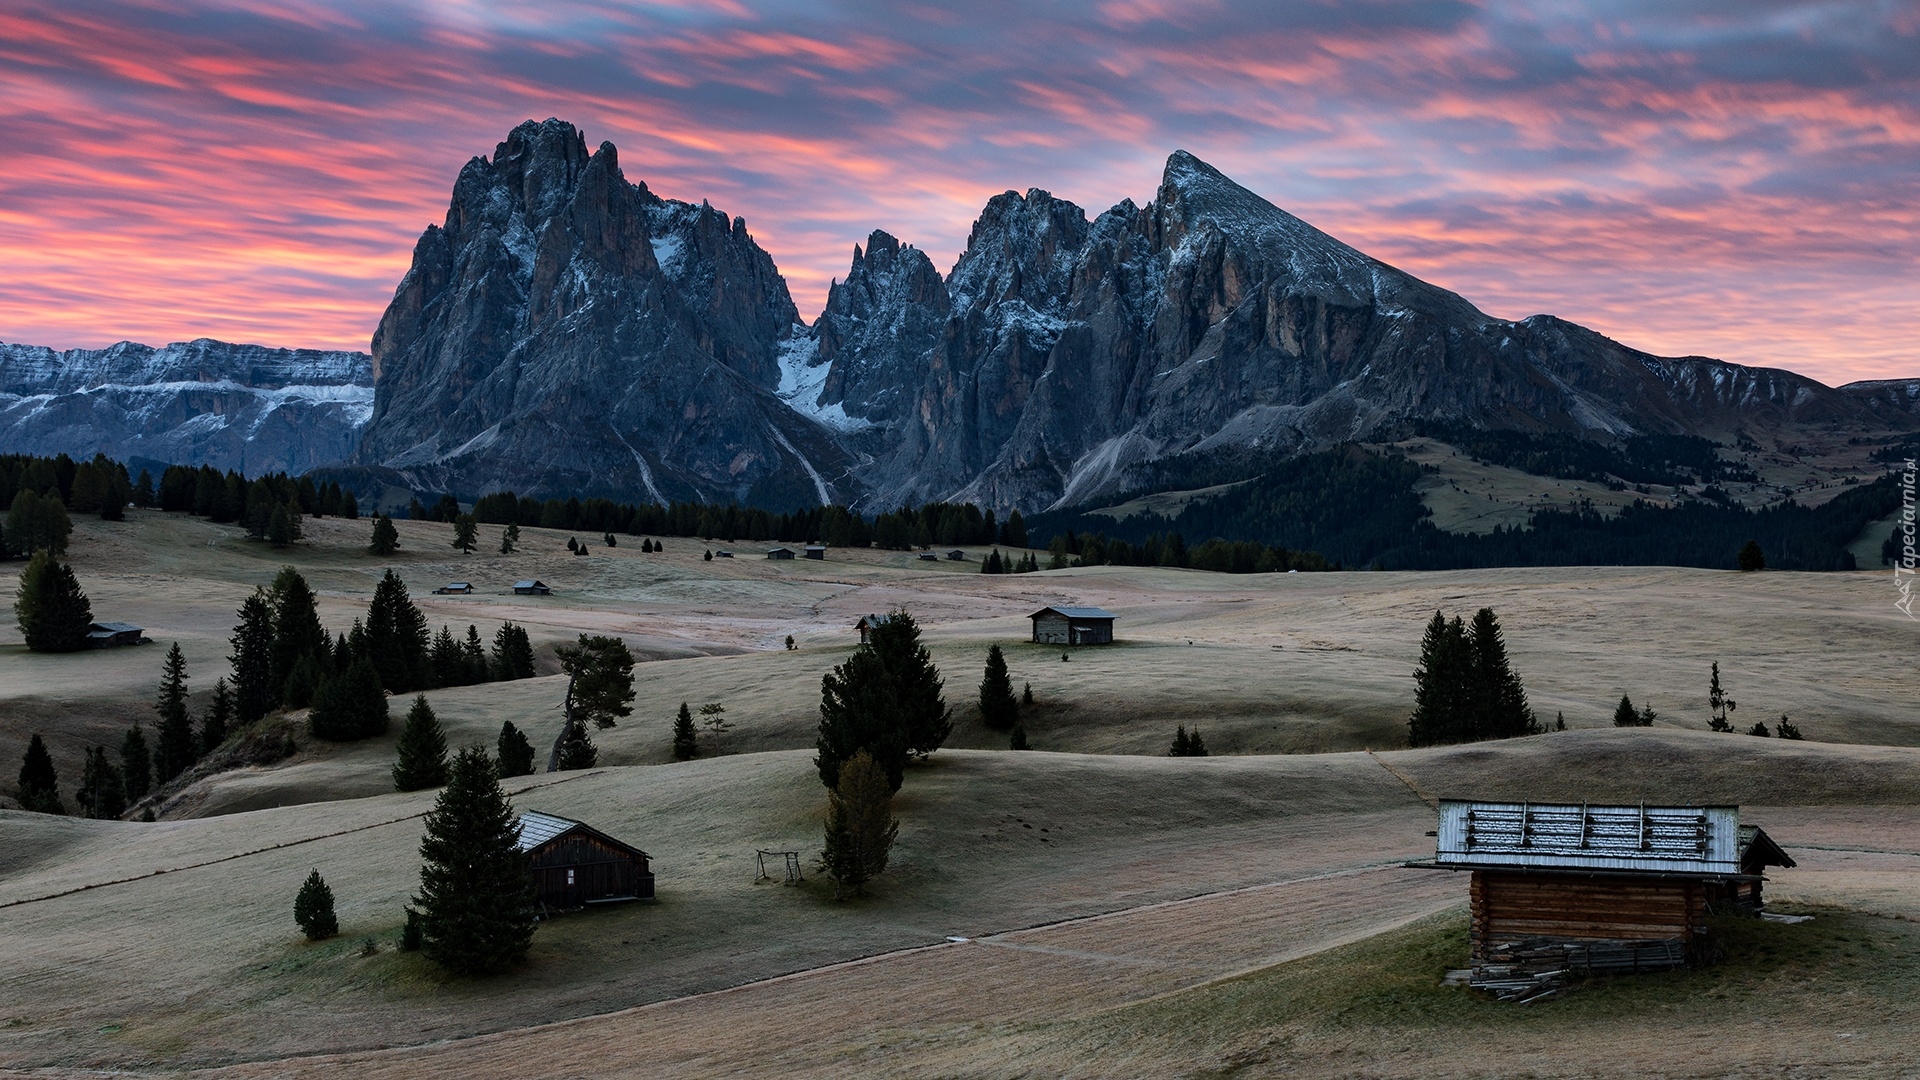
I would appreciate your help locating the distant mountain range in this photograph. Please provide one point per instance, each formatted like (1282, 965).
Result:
(566, 331)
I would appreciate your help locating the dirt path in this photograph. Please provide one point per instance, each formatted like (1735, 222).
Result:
(860, 1015)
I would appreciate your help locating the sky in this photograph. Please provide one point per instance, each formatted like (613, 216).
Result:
(1731, 178)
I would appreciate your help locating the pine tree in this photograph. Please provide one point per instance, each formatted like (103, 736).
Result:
(1187, 743)
(176, 750)
(1559, 721)
(473, 656)
(446, 660)
(54, 614)
(102, 792)
(686, 740)
(386, 538)
(422, 750)
(1441, 693)
(39, 786)
(1760, 728)
(599, 680)
(1719, 703)
(999, 709)
(143, 490)
(885, 699)
(1751, 558)
(476, 898)
(1026, 695)
(466, 533)
(1787, 729)
(512, 653)
(350, 509)
(575, 749)
(923, 711)
(515, 752)
(1624, 714)
(350, 705)
(397, 637)
(860, 825)
(218, 721)
(509, 538)
(313, 909)
(1501, 710)
(1018, 739)
(297, 633)
(136, 764)
(252, 659)
(283, 527)
(303, 682)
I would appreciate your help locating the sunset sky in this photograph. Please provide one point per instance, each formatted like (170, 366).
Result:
(1736, 178)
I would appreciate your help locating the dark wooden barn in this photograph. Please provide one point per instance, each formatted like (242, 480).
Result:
(575, 864)
(107, 635)
(780, 553)
(1073, 626)
(531, 588)
(455, 588)
(816, 551)
(868, 624)
(1576, 887)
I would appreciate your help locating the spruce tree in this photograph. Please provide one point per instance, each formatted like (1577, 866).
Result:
(466, 533)
(1760, 728)
(53, 613)
(476, 898)
(515, 752)
(386, 538)
(102, 792)
(860, 827)
(1719, 703)
(512, 653)
(575, 750)
(1500, 701)
(923, 712)
(1018, 739)
(446, 660)
(313, 909)
(1751, 558)
(422, 750)
(218, 721)
(1787, 729)
(350, 705)
(297, 632)
(599, 680)
(283, 527)
(1624, 714)
(252, 659)
(473, 657)
(1442, 692)
(177, 749)
(999, 709)
(397, 637)
(136, 764)
(859, 710)
(686, 741)
(509, 538)
(39, 789)
(304, 680)
(1026, 694)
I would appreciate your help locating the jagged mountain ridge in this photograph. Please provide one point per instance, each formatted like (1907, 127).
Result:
(244, 407)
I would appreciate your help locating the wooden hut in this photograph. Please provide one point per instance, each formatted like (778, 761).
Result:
(1073, 626)
(1577, 887)
(816, 551)
(956, 555)
(868, 624)
(780, 553)
(575, 864)
(455, 588)
(531, 588)
(107, 635)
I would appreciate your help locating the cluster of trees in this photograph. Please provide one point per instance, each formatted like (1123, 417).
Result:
(995, 563)
(473, 913)
(1639, 459)
(1464, 688)
(1187, 743)
(229, 497)
(53, 613)
(40, 491)
(1220, 556)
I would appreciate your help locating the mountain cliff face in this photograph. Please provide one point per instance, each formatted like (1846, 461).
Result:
(232, 406)
(568, 332)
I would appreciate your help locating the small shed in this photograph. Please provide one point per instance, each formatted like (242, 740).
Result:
(451, 588)
(957, 555)
(1578, 887)
(868, 624)
(1073, 626)
(723, 554)
(780, 553)
(107, 635)
(816, 551)
(575, 864)
(928, 556)
(532, 588)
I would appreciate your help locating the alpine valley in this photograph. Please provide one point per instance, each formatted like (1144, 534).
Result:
(567, 331)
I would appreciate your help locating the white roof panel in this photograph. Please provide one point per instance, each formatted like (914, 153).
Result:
(1658, 839)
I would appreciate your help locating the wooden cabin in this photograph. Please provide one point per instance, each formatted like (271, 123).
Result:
(868, 624)
(816, 551)
(575, 864)
(956, 555)
(723, 553)
(928, 556)
(780, 553)
(531, 588)
(1576, 887)
(1073, 626)
(454, 588)
(108, 635)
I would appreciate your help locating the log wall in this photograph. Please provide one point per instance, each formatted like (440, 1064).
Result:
(1544, 921)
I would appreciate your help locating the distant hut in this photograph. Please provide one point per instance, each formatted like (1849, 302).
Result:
(780, 553)
(531, 588)
(816, 551)
(868, 624)
(452, 588)
(1073, 626)
(723, 554)
(928, 556)
(108, 635)
(1575, 887)
(575, 864)
(957, 555)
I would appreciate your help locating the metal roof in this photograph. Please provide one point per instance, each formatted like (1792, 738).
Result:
(114, 628)
(537, 829)
(529, 584)
(1076, 612)
(1577, 836)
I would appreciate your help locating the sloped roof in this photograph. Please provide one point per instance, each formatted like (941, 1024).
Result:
(536, 829)
(1574, 836)
(529, 584)
(1076, 612)
(114, 628)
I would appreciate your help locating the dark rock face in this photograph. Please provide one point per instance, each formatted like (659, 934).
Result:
(198, 402)
(568, 332)
(882, 319)
(1078, 357)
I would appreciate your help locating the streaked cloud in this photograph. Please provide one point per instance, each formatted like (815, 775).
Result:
(1732, 179)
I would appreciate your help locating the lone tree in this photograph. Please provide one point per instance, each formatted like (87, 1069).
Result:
(54, 614)
(686, 741)
(599, 688)
(1465, 689)
(136, 764)
(1719, 702)
(466, 533)
(714, 716)
(514, 751)
(1752, 558)
(422, 750)
(860, 825)
(885, 699)
(177, 748)
(39, 786)
(999, 709)
(102, 792)
(313, 909)
(509, 538)
(476, 898)
(350, 705)
(386, 538)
